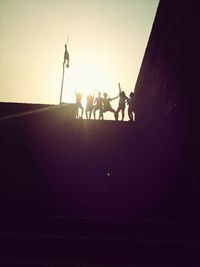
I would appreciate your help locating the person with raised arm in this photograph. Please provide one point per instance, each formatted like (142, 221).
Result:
(122, 103)
(89, 105)
(79, 105)
(107, 105)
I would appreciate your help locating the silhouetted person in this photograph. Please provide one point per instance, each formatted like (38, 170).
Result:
(106, 104)
(122, 103)
(79, 105)
(131, 106)
(89, 106)
(98, 105)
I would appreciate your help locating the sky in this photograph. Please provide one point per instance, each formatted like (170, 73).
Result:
(106, 45)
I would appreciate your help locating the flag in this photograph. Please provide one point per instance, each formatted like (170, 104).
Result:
(66, 57)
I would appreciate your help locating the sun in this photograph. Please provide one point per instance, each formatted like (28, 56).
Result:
(87, 76)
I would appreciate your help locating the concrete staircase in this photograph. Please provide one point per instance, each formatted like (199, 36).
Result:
(88, 193)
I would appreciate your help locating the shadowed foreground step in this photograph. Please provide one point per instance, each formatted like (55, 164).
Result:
(79, 168)
(87, 240)
(88, 192)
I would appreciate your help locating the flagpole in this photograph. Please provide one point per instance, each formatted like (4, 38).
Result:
(63, 75)
(66, 57)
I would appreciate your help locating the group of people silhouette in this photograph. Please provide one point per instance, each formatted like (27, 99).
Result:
(102, 104)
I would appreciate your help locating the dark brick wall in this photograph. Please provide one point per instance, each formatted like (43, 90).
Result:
(167, 90)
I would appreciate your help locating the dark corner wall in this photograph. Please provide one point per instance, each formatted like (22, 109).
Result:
(167, 90)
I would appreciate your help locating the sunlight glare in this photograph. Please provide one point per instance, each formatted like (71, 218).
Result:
(86, 76)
